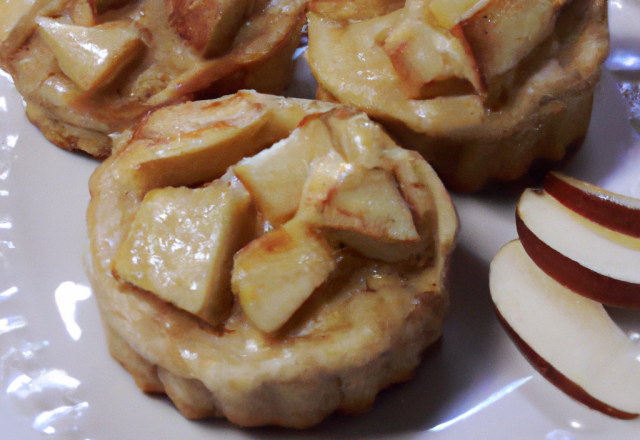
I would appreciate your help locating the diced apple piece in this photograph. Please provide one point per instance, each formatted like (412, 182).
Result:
(209, 26)
(181, 245)
(423, 54)
(611, 210)
(586, 257)
(83, 13)
(275, 274)
(201, 149)
(12, 13)
(275, 176)
(569, 339)
(362, 208)
(91, 56)
(505, 31)
(372, 84)
(368, 201)
(358, 139)
(448, 13)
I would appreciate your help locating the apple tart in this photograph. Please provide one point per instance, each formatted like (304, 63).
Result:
(268, 260)
(90, 68)
(483, 89)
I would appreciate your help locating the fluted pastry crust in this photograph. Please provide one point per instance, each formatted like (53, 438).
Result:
(363, 329)
(530, 101)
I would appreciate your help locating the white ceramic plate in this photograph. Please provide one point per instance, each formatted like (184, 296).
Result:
(58, 381)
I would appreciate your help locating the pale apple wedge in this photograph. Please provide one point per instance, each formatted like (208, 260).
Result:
(383, 95)
(181, 245)
(362, 208)
(505, 31)
(12, 15)
(424, 54)
(369, 202)
(569, 339)
(275, 177)
(611, 210)
(275, 274)
(591, 260)
(91, 56)
(204, 147)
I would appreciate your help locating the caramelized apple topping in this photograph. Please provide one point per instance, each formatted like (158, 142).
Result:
(338, 180)
(181, 245)
(127, 58)
(467, 83)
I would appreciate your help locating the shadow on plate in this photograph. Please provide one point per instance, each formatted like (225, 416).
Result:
(435, 395)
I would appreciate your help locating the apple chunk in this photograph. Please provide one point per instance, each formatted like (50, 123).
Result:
(425, 55)
(90, 56)
(448, 13)
(503, 32)
(362, 208)
(593, 261)
(203, 148)
(181, 245)
(611, 210)
(275, 274)
(209, 26)
(275, 177)
(369, 202)
(570, 339)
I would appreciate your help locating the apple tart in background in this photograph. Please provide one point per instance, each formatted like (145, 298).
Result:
(268, 293)
(486, 90)
(90, 68)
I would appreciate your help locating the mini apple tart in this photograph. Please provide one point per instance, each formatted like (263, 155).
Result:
(268, 260)
(481, 88)
(89, 68)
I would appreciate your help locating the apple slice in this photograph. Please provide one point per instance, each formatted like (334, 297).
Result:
(569, 339)
(273, 275)
(591, 260)
(611, 210)
(181, 245)
(91, 56)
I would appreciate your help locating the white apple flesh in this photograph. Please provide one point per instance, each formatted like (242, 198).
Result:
(584, 256)
(608, 209)
(569, 339)
(91, 56)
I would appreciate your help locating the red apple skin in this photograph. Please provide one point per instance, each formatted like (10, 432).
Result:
(558, 379)
(576, 277)
(596, 206)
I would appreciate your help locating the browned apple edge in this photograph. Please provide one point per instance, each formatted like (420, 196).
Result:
(597, 208)
(558, 379)
(574, 276)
